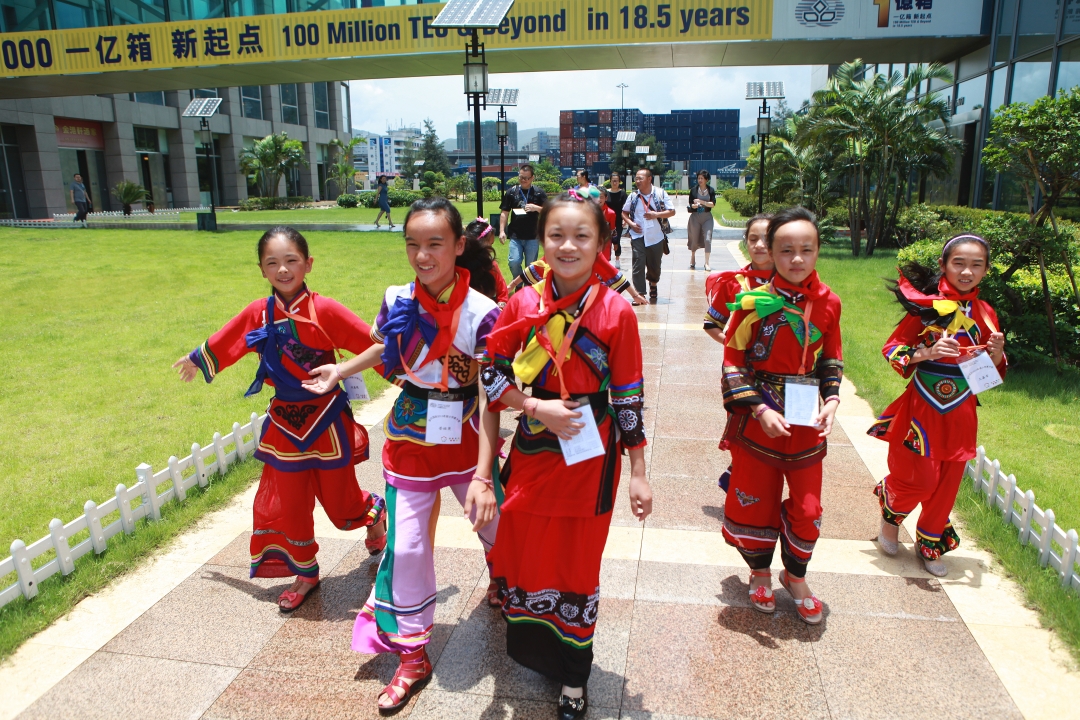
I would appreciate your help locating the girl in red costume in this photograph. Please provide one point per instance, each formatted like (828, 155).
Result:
(309, 443)
(783, 342)
(580, 351)
(931, 429)
(481, 231)
(722, 287)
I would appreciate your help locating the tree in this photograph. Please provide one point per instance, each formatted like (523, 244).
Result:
(432, 152)
(878, 129)
(269, 159)
(129, 193)
(632, 162)
(1039, 145)
(342, 170)
(409, 157)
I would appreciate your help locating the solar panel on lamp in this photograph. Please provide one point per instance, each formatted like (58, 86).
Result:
(764, 90)
(473, 14)
(202, 107)
(502, 96)
(642, 149)
(626, 136)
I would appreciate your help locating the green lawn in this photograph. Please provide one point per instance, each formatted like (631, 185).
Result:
(330, 214)
(95, 319)
(1031, 424)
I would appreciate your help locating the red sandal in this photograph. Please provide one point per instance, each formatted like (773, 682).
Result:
(414, 666)
(493, 598)
(762, 597)
(377, 545)
(809, 608)
(294, 598)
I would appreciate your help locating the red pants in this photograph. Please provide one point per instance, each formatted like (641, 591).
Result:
(283, 541)
(754, 516)
(914, 479)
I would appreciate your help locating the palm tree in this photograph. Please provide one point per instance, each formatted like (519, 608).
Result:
(878, 127)
(342, 170)
(129, 193)
(269, 159)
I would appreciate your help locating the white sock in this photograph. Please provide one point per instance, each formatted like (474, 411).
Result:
(573, 692)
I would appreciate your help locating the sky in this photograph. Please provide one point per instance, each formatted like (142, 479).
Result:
(378, 104)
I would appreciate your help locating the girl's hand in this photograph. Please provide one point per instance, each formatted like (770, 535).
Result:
(559, 416)
(188, 370)
(824, 419)
(946, 347)
(482, 498)
(774, 424)
(640, 497)
(995, 346)
(323, 379)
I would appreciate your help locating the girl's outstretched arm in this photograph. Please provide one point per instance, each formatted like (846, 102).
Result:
(326, 377)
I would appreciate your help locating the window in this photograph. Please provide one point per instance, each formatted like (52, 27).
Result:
(1069, 67)
(997, 89)
(204, 93)
(239, 8)
(23, 15)
(134, 12)
(1038, 25)
(251, 101)
(80, 14)
(970, 94)
(196, 9)
(1006, 24)
(150, 98)
(322, 105)
(309, 5)
(146, 139)
(1031, 78)
(290, 108)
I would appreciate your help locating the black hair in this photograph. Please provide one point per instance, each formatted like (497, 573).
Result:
(760, 217)
(381, 180)
(564, 199)
(527, 166)
(289, 234)
(705, 174)
(651, 176)
(616, 175)
(790, 215)
(476, 258)
(584, 174)
(926, 279)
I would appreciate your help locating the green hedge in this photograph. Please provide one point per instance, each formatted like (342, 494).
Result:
(397, 198)
(745, 203)
(276, 203)
(1024, 322)
(347, 200)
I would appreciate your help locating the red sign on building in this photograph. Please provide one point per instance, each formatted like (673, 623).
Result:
(80, 134)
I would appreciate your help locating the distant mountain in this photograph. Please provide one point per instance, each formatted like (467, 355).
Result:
(744, 139)
(450, 144)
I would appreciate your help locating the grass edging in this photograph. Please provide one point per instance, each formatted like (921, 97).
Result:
(21, 619)
(1058, 607)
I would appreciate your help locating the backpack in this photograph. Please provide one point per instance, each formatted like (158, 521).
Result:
(665, 226)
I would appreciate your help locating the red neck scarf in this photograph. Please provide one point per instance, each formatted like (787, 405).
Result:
(945, 292)
(444, 314)
(811, 288)
(548, 307)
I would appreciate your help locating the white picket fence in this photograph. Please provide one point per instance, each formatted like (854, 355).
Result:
(1057, 548)
(203, 462)
(141, 215)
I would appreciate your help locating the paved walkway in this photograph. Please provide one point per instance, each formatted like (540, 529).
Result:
(191, 636)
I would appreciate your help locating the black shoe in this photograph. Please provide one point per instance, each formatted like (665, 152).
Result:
(573, 708)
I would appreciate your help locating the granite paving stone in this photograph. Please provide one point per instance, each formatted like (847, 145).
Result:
(686, 503)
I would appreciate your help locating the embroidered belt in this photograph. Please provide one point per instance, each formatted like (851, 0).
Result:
(597, 400)
(458, 393)
(778, 379)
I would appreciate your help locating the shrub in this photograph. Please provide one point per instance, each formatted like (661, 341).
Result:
(403, 198)
(551, 188)
(367, 198)
(347, 200)
(920, 222)
(741, 201)
(275, 203)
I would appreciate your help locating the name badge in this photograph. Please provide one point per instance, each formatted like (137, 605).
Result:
(443, 420)
(587, 443)
(356, 389)
(519, 211)
(980, 372)
(801, 401)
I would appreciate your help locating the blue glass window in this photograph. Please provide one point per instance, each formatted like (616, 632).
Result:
(24, 15)
(80, 14)
(1068, 75)
(1031, 78)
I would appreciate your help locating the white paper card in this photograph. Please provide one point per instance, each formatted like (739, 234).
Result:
(356, 389)
(587, 443)
(519, 211)
(980, 372)
(800, 403)
(443, 422)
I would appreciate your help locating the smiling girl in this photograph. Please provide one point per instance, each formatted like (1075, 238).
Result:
(932, 428)
(580, 352)
(430, 333)
(722, 287)
(782, 346)
(309, 443)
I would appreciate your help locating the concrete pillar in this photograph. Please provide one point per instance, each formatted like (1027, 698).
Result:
(183, 164)
(45, 186)
(235, 185)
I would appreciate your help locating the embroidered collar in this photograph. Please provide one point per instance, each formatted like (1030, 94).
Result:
(293, 306)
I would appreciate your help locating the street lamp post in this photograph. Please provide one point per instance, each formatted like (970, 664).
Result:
(502, 130)
(622, 94)
(476, 88)
(763, 91)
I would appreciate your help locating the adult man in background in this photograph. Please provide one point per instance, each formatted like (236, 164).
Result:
(520, 210)
(642, 213)
(80, 199)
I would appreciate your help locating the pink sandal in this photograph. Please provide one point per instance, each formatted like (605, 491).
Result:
(414, 666)
(493, 594)
(762, 597)
(809, 608)
(377, 545)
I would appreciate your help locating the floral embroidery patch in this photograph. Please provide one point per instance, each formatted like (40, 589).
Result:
(745, 499)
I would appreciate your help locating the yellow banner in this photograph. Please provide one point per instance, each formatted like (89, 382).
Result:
(373, 32)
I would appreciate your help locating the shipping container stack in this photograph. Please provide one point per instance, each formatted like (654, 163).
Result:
(587, 137)
(703, 139)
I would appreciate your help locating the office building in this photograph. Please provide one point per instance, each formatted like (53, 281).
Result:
(386, 151)
(142, 137)
(489, 141)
